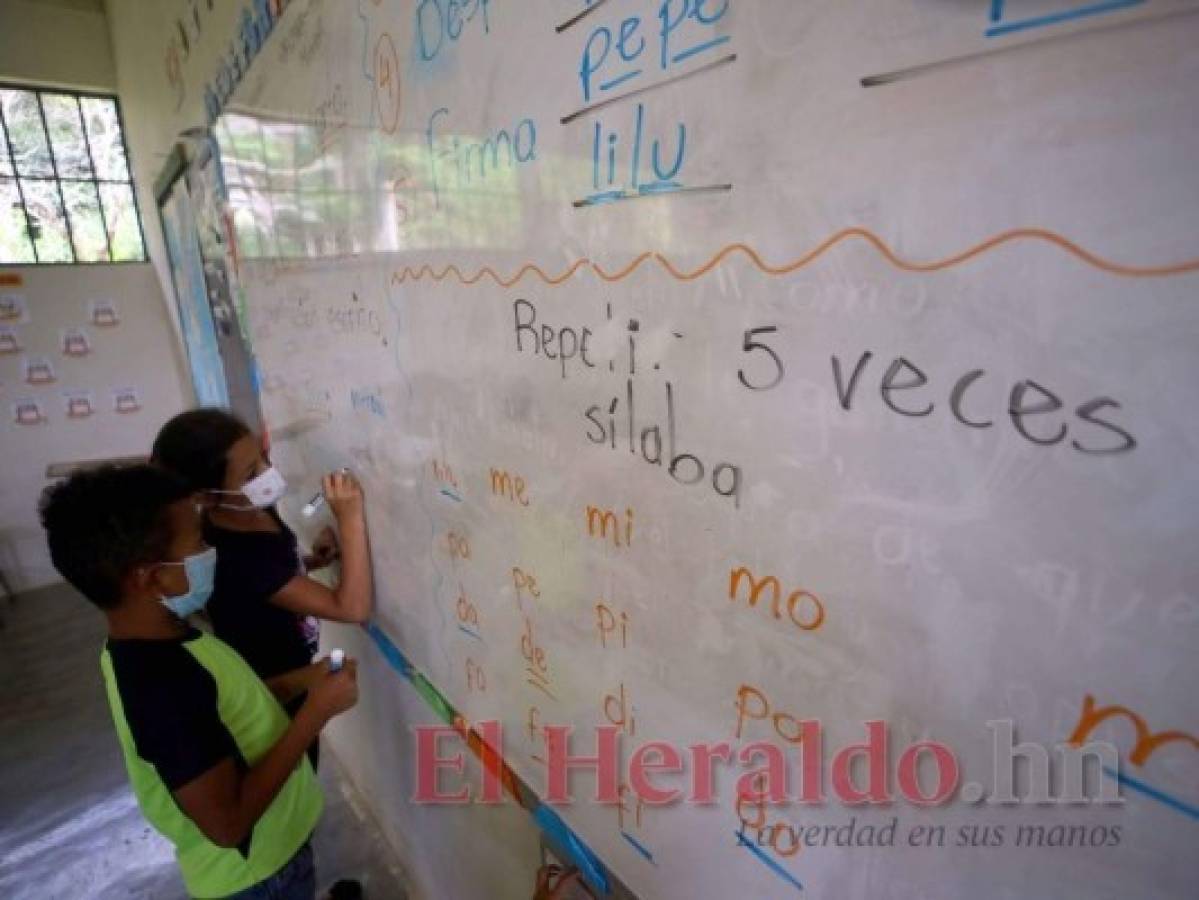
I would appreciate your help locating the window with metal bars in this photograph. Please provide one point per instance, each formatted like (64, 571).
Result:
(66, 195)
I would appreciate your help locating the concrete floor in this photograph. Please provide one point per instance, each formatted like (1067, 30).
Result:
(69, 826)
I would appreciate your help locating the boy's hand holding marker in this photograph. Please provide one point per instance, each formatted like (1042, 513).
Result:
(336, 690)
(289, 685)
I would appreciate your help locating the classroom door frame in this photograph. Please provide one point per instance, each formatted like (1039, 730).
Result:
(190, 198)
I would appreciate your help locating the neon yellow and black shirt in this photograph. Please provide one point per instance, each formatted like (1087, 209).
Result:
(181, 707)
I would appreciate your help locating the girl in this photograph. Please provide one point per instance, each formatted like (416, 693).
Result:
(262, 601)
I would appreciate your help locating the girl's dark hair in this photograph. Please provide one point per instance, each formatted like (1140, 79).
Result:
(193, 446)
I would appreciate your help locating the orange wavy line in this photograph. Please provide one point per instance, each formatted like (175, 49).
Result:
(426, 271)
(881, 246)
(627, 270)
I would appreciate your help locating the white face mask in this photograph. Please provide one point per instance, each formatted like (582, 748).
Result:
(263, 491)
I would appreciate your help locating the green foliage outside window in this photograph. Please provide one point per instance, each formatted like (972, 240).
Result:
(66, 194)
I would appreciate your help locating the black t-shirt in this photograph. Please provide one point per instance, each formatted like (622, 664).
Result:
(170, 704)
(252, 566)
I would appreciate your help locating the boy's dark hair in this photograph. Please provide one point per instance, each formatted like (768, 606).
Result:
(101, 524)
(194, 443)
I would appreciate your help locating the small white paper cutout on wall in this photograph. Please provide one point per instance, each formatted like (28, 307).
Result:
(79, 404)
(13, 309)
(75, 342)
(28, 411)
(126, 400)
(103, 313)
(39, 370)
(10, 340)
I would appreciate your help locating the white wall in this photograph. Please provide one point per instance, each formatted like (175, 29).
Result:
(64, 43)
(67, 44)
(131, 48)
(61, 44)
(161, 84)
(140, 352)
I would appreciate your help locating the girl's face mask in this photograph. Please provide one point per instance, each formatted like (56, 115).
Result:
(263, 491)
(200, 569)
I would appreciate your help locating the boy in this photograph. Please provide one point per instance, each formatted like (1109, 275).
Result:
(216, 764)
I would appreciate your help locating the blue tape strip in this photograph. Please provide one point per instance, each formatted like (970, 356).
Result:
(547, 820)
(588, 864)
(390, 651)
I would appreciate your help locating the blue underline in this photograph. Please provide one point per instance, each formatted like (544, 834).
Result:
(1057, 18)
(620, 79)
(1136, 784)
(638, 846)
(687, 54)
(764, 857)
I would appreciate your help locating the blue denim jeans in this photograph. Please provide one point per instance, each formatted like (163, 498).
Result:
(295, 881)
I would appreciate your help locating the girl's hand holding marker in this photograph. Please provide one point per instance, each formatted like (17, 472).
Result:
(333, 481)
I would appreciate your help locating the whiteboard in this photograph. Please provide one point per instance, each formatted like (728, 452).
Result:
(893, 302)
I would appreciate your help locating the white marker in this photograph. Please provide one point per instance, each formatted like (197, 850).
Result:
(318, 499)
(337, 659)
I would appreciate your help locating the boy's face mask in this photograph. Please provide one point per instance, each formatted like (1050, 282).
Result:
(200, 569)
(263, 491)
